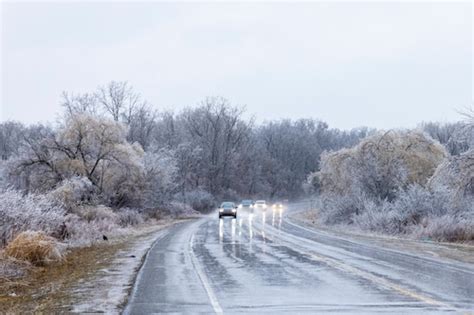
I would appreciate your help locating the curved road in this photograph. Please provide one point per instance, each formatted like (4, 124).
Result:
(265, 263)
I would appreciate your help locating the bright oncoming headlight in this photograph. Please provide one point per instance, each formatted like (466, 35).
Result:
(233, 210)
(221, 210)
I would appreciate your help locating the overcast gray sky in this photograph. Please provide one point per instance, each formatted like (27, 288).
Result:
(382, 65)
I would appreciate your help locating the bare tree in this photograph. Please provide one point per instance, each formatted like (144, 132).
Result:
(80, 104)
(119, 100)
(11, 134)
(218, 128)
(141, 125)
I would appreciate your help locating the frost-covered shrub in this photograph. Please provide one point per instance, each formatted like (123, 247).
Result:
(81, 232)
(20, 213)
(337, 209)
(129, 217)
(178, 209)
(448, 228)
(90, 223)
(3, 175)
(456, 174)
(379, 218)
(74, 192)
(98, 213)
(418, 208)
(417, 202)
(200, 200)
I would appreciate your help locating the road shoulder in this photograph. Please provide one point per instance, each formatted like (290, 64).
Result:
(455, 252)
(90, 280)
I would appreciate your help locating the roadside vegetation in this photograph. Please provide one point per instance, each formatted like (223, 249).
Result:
(112, 163)
(418, 183)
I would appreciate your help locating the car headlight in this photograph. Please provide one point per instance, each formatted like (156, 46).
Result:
(221, 210)
(233, 210)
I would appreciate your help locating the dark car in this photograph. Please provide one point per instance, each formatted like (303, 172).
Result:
(228, 208)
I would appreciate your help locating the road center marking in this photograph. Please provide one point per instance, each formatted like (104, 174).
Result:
(205, 282)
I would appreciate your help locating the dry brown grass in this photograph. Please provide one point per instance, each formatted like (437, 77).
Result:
(34, 247)
(46, 289)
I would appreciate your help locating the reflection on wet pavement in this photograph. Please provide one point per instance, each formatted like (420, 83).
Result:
(267, 263)
(262, 263)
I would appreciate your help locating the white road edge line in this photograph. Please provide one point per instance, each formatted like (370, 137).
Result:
(359, 272)
(205, 282)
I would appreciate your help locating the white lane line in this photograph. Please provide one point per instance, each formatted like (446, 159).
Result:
(296, 243)
(205, 282)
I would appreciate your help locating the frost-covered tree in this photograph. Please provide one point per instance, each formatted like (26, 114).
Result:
(456, 137)
(119, 100)
(84, 146)
(382, 164)
(75, 104)
(11, 135)
(219, 130)
(160, 177)
(141, 125)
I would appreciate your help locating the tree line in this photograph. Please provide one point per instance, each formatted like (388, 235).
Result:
(130, 154)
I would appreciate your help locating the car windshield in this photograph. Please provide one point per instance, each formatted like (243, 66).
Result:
(227, 205)
(261, 202)
(246, 202)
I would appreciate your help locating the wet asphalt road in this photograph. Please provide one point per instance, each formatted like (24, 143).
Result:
(265, 263)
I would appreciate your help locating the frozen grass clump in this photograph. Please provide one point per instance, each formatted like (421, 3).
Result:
(34, 247)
